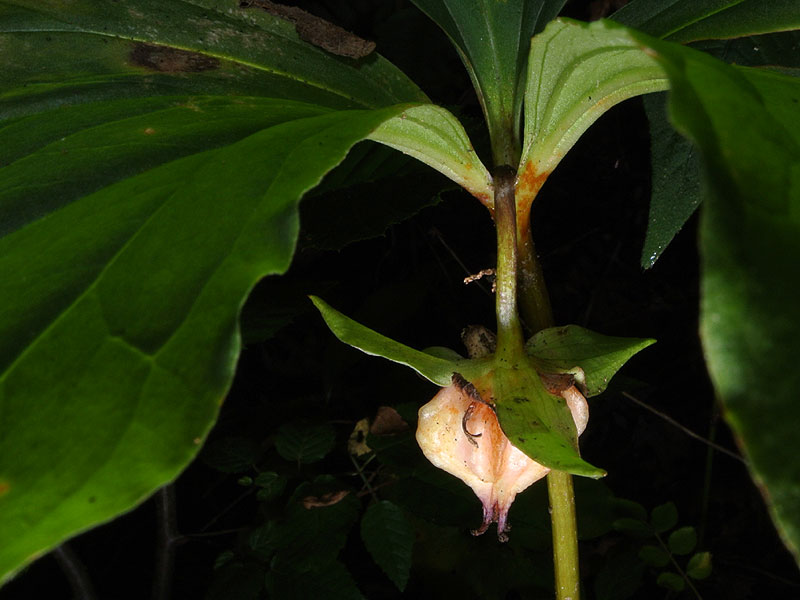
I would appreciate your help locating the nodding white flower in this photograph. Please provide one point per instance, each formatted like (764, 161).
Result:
(460, 434)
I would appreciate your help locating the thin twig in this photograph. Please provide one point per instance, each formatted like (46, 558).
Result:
(225, 510)
(367, 484)
(684, 429)
(168, 538)
(76, 573)
(437, 234)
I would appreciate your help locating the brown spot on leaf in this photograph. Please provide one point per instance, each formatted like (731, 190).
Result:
(149, 131)
(328, 499)
(4, 487)
(170, 60)
(315, 30)
(555, 383)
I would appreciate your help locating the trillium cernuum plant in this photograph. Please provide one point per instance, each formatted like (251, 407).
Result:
(153, 155)
(511, 411)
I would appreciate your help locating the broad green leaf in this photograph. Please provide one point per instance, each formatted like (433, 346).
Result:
(389, 538)
(746, 123)
(576, 72)
(305, 443)
(676, 163)
(682, 541)
(675, 181)
(438, 370)
(664, 517)
(99, 42)
(599, 356)
(699, 566)
(690, 20)
(119, 321)
(493, 38)
(537, 422)
(433, 135)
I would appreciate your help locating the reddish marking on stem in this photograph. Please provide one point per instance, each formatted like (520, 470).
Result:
(528, 185)
(4, 487)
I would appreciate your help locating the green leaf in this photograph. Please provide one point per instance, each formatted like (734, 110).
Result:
(109, 50)
(433, 135)
(438, 370)
(675, 182)
(654, 556)
(264, 540)
(313, 535)
(332, 220)
(537, 422)
(621, 576)
(119, 322)
(492, 39)
(231, 454)
(576, 72)
(305, 443)
(664, 517)
(633, 527)
(389, 538)
(699, 566)
(671, 581)
(329, 580)
(676, 176)
(629, 508)
(599, 356)
(746, 123)
(690, 20)
(682, 541)
(271, 484)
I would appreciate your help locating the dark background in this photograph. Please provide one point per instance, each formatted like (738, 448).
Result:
(406, 282)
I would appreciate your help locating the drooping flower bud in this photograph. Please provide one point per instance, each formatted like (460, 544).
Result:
(460, 433)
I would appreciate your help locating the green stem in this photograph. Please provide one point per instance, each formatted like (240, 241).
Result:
(565, 535)
(535, 306)
(510, 342)
(515, 248)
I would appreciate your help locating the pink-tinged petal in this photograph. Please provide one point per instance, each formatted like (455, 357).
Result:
(482, 456)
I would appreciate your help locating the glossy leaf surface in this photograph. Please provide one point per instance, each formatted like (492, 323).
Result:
(676, 178)
(493, 37)
(147, 183)
(125, 336)
(537, 422)
(675, 181)
(433, 135)
(437, 370)
(746, 123)
(599, 356)
(576, 72)
(691, 20)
